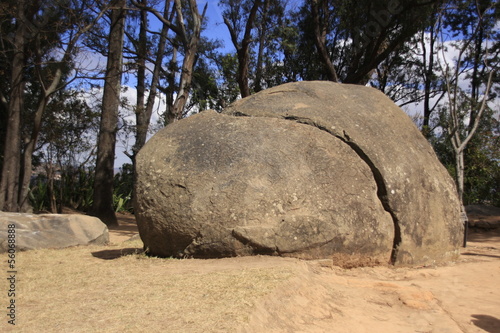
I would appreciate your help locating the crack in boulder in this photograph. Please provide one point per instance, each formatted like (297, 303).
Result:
(377, 175)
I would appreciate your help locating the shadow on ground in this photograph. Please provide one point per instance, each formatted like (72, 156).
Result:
(117, 253)
(488, 323)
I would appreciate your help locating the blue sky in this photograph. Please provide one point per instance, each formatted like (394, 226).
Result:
(216, 27)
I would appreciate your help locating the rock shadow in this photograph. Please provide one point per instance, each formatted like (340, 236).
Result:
(118, 253)
(488, 323)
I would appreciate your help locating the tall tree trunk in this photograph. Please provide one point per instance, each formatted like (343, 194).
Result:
(460, 166)
(102, 206)
(140, 115)
(51, 193)
(24, 204)
(9, 184)
(186, 78)
(320, 42)
(262, 39)
(242, 50)
(169, 92)
(428, 77)
(29, 148)
(190, 46)
(142, 131)
(476, 79)
(243, 60)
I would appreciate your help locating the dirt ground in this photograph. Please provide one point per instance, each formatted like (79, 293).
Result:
(116, 289)
(459, 297)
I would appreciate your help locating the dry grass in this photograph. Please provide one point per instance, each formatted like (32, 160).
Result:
(75, 290)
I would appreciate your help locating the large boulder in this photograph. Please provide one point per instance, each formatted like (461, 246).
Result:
(309, 169)
(52, 231)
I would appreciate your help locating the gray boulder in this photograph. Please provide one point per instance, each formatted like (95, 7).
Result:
(309, 169)
(52, 231)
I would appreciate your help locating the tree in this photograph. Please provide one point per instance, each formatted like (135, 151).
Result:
(207, 92)
(44, 45)
(239, 18)
(410, 76)
(228, 91)
(320, 32)
(258, 31)
(9, 184)
(190, 43)
(352, 38)
(429, 50)
(481, 158)
(141, 54)
(187, 29)
(66, 145)
(271, 28)
(475, 62)
(104, 172)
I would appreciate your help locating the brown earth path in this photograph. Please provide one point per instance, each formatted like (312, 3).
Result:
(321, 297)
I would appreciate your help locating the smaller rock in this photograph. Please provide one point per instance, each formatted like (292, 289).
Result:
(134, 238)
(483, 217)
(482, 210)
(52, 231)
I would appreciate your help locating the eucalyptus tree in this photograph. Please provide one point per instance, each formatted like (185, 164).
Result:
(145, 53)
(12, 102)
(352, 38)
(186, 23)
(256, 29)
(67, 145)
(38, 54)
(410, 76)
(102, 206)
(470, 76)
(240, 17)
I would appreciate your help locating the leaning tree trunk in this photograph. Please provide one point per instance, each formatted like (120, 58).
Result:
(186, 78)
(190, 45)
(143, 118)
(242, 50)
(102, 206)
(320, 42)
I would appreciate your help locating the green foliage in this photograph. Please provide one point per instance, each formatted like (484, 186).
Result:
(68, 187)
(482, 161)
(77, 188)
(359, 35)
(123, 185)
(38, 195)
(121, 203)
(228, 85)
(73, 188)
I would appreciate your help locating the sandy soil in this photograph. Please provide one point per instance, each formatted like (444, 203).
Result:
(321, 297)
(115, 288)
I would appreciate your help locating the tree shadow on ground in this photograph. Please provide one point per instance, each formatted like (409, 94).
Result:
(488, 323)
(480, 255)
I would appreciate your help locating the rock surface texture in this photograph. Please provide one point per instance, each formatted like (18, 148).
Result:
(310, 170)
(51, 231)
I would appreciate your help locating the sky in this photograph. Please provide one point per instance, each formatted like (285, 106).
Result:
(215, 26)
